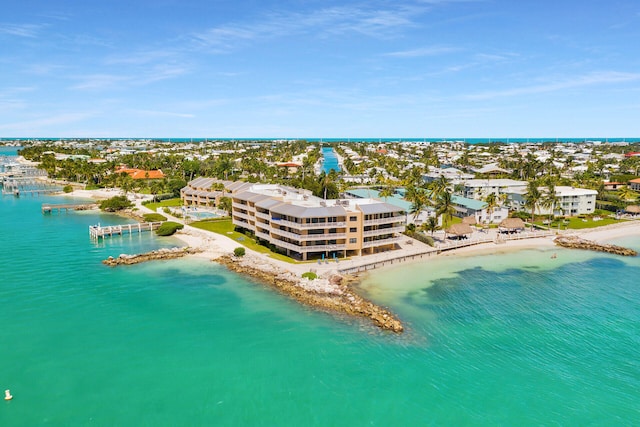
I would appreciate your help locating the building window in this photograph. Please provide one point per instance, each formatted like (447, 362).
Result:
(353, 230)
(353, 240)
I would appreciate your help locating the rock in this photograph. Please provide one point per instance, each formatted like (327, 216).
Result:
(576, 242)
(324, 293)
(150, 256)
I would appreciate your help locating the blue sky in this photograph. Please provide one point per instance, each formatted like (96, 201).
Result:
(311, 68)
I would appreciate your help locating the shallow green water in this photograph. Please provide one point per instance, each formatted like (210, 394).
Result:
(185, 342)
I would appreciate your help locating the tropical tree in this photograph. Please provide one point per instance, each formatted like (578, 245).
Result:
(444, 207)
(550, 199)
(431, 224)
(225, 204)
(419, 201)
(532, 198)
(492, 203)
(387, 191)
(627, 194)
(438, 187)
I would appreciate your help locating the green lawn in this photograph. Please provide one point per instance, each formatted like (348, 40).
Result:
(164, 203)
(226, 228)
(579, 223)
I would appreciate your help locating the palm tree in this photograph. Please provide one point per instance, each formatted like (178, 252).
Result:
(492, 202)
(431, 224)
(627, 194)
(419, 201)
(532, 198)
(550, 199)
(387, 191)
(444, 207)
(438, 187)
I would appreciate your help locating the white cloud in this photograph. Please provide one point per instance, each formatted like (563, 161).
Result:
(334, 21)
(592, 79)
(152, 113)
(21, 30)
(100, 81)
(424, 51)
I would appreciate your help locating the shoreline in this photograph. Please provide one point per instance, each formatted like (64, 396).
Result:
(334, 291)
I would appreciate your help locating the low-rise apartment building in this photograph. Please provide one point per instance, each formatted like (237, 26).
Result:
(307, 227)
(571, 201)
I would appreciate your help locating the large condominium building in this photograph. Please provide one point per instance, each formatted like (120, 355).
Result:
(307, 227)
(571, 201)
(202, 192)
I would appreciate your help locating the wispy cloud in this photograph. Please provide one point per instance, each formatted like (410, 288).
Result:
(335, 21)
(592, 79)
(100, 81)
(154, 113)
(21, 30)
(424, 51)
(36, 124)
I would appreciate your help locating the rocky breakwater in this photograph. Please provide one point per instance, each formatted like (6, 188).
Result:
(158, 254)
(576, 242)
(331, 293)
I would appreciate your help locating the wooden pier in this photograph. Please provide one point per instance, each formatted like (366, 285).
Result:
(50, 208)
(100, 232)
(24, 185)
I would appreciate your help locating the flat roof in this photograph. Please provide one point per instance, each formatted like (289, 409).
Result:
(474, 204)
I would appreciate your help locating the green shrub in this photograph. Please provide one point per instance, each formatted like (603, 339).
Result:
(310, 275)
(239, 251)
(116, 203)
(154, 217)
(169, 228)
(421, 237)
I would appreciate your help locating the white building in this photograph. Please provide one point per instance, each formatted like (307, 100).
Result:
(571, 201)
(479, 189)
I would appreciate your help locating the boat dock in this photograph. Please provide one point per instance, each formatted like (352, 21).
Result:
(100, 232)
(50, 208)
(32, 185)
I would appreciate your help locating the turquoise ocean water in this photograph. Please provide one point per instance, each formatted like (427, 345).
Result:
(505, 339)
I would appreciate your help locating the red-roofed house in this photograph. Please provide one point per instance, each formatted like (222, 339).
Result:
(614, 185)
(141, 173)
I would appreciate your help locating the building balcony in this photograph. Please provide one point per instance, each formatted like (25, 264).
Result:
(308, 237)
(241, 222)
(242, 215)
(397, 229)
(241, 206)
(301, 226)
(306, 249)
(263, 236)
(390, 220)
(264, 216)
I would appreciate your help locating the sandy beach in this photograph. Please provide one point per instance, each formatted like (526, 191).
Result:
(331, 290)
(215, 245)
